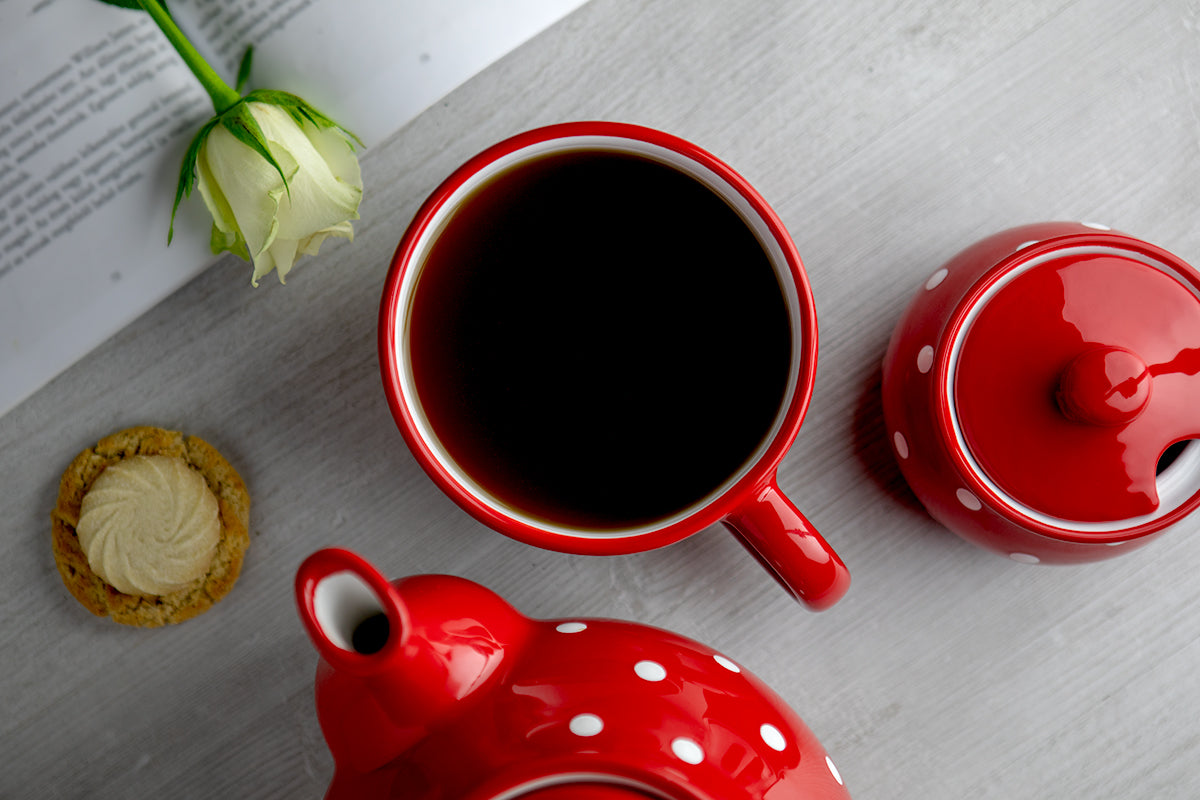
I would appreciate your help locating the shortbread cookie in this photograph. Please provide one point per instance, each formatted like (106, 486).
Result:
(159, 586)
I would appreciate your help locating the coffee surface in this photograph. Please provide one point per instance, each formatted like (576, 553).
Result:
(598, 340)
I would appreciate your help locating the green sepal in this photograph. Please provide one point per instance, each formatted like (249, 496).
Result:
(187, 172)
(219, 242)
(245, 128)
(243, 73)
(299, 110)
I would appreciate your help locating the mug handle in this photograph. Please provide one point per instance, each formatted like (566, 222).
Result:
(789, 547)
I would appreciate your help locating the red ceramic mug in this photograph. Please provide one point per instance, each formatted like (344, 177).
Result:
(597, 338)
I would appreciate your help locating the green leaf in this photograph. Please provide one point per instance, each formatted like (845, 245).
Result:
(243, 73)
(245, 128)
(187, 172)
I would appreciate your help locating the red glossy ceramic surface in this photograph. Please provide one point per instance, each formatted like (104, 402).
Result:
(466, 699)
(749, 502)
(1034, 384)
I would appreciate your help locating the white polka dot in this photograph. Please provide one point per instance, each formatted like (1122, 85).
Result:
(1096, 225)
(925, 359)
(1024, 558)
(1023, 245)
(687, 751)
(773, 737)
(968, 500)
(571, 627)
(837, 776)
(901, 444)
(936, 278)
(586, 725)
(650, 670)
(726, 663)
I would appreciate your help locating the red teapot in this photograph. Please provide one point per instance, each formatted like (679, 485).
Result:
(434, 688)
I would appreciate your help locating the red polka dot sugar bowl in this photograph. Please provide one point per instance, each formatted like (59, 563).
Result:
(1039, 392)
(434, 688)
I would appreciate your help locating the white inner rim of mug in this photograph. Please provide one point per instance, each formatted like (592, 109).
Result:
(1176, 484)
(744, 208)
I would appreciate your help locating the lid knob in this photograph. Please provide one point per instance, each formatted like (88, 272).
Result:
(1105, 386)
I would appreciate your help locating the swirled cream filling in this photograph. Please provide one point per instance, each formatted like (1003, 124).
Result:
(149, 525)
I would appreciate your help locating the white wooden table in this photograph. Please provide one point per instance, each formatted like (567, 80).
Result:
(888, 134)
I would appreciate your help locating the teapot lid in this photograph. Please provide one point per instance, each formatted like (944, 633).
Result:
(1073, 367)
(585, 791)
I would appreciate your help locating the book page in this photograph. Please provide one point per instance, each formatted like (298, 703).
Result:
(370, 64)
(96, 110)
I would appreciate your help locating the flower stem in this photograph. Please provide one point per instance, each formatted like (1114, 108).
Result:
(223, 96)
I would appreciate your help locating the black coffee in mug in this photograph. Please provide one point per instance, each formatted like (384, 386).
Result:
(598, 339)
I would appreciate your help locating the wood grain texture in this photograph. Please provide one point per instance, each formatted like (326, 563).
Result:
(888, 134)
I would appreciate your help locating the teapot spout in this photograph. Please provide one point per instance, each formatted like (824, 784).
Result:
(358, 624)
(399, 657)
(354, 616)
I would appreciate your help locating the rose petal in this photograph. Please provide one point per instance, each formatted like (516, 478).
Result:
(338, 153)
(281, 254)
(214, 198)
(250, 185)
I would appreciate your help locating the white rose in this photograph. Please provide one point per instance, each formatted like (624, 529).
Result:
(255, 213)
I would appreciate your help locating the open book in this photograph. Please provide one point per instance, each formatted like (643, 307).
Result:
(96, 110)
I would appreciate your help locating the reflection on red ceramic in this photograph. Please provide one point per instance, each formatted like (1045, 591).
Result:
(1034, 383)
(434, 687)
(1104, 386)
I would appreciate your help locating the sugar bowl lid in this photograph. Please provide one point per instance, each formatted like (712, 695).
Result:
(1074, 378)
